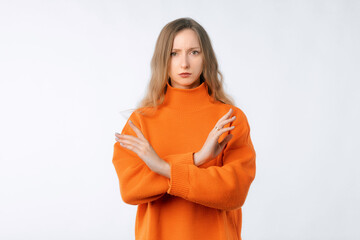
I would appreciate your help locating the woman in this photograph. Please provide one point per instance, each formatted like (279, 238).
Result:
(185, 156)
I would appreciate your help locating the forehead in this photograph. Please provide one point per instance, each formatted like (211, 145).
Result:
(186, 38)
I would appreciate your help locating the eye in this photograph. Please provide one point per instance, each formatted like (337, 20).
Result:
(196, 52)
(172, 54)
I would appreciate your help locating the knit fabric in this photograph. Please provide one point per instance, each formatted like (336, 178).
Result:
(197, 202)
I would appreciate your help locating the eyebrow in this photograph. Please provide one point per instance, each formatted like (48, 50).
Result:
(187, 49)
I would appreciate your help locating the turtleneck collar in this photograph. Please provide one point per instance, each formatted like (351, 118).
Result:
(187, 99)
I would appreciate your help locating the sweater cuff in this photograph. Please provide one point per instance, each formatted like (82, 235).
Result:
(183, 158)
(179, 180)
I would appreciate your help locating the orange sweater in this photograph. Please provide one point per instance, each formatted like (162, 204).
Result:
(197, 202)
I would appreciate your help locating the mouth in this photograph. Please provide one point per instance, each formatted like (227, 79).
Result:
(184, 74)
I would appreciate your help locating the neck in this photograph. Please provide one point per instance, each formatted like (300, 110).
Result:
(187, 99)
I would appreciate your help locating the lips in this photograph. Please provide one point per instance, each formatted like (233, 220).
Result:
(185, 74)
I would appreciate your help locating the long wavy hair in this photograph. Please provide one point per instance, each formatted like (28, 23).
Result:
(157, 86)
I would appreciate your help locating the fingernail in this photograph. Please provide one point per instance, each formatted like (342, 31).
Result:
(117, 133)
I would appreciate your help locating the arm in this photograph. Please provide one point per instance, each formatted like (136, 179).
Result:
(138, 184)
(224, 187)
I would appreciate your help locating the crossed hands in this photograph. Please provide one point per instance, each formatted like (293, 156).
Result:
(145, 151)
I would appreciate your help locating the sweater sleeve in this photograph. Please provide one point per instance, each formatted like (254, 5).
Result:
(222, 187)
(138, 184)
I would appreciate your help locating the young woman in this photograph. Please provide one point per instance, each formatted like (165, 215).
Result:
(185, 156)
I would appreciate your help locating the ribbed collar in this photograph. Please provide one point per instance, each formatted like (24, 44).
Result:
(187, 99)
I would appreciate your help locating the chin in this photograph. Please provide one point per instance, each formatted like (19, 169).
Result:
(186, 82)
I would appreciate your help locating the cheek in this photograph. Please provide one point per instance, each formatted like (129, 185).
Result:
(199, 64)
(174, 62)
(171, 67)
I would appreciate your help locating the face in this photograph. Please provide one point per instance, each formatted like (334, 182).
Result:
(186, 57)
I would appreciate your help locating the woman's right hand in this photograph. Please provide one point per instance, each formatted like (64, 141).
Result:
(211, 147)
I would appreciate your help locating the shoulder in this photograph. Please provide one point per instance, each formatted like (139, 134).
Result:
(241, 120)
(138, 115)
(136, 118)
(237, 111)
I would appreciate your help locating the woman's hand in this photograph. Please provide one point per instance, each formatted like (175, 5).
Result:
(211, 147)
(144, 150)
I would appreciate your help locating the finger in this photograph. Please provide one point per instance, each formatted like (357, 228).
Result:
(117, 134)
(224, 130)
(136, 130)
(225, 141)
(227, 115)
(130, 137)
(126, 142)
(129, 145)
(223, 123)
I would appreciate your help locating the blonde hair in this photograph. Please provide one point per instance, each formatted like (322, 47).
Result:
(157, 86)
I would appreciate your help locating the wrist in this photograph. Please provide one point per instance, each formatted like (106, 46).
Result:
(163, 169)
(197, 159)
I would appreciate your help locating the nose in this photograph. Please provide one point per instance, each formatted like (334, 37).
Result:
(184, 61)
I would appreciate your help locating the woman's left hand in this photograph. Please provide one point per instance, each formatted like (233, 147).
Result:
(211, 147)
(141, 146)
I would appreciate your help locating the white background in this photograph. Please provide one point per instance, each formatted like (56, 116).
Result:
(68, 68)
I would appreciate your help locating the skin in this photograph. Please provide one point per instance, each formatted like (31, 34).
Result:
(185, 57)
